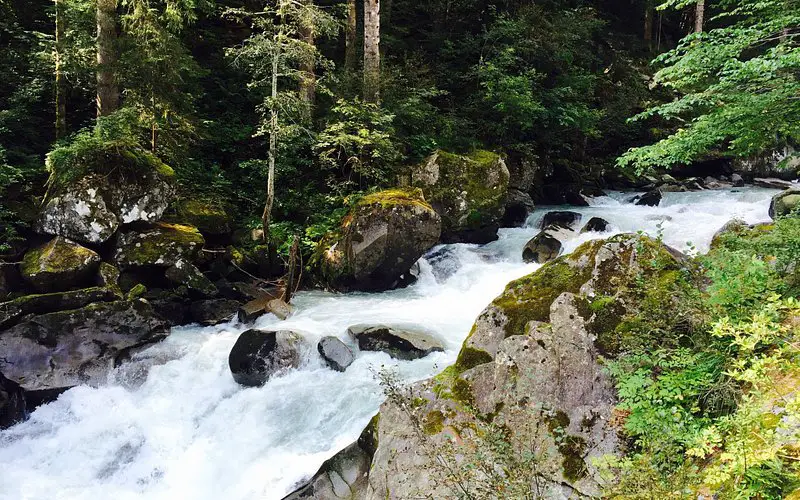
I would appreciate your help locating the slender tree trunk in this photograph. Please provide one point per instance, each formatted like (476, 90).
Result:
(308, 81)
(648, 24)
(351, 37)
(107, 90)
(61, 91)
(372, 50)
(699, 16)
(273, 144)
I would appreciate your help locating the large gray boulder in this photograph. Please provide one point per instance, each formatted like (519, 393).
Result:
(531, 367)
(92, 208)
(379, 241)
(784, 203)
(78, 346)
(468, 191)
(400, 343)
(59, 265)
(260, 354)
(782, 163)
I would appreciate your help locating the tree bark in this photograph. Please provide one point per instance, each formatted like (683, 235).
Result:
(266, 217)
(648, 24)
(351, 37)
(699, 16)
(107, 89)
(372, 51)
(61, 91)
(308, 79)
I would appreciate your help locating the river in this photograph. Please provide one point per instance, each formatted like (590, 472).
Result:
(173, 424)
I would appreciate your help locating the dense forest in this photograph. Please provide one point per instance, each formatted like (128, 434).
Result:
(173, 162)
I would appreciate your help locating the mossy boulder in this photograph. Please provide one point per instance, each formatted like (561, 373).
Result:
(161, 245)
(210, 217)
(95, 192)
(78, 346)
(59, 265)
(379, 241)
(468, 191)
(785, 203)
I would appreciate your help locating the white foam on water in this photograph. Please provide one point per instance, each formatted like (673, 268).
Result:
(173, 424)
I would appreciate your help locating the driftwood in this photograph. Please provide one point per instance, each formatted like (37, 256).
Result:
(276, 300)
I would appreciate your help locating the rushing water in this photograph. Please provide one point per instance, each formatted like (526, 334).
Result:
(174, 425)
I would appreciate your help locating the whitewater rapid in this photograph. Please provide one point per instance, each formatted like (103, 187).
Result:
(173, 424)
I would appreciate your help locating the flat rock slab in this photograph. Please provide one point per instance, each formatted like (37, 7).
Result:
(397, 342)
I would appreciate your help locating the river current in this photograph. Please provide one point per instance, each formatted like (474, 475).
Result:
(174, 425)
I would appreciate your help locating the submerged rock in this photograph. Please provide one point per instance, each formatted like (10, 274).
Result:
(785, 203)
(650, 198)
(379, 241)
(59, 265)
(335, 353)
(468, 191)
(596, 225)
(12, 403)
(561, 218)
(541, 248)
(162, 245)
(396, 342)
(259, 355)
(77, 346)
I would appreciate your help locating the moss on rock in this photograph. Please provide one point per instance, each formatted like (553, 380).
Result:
(468, 191)
(210, 217)
(162, 245)
(59, 265)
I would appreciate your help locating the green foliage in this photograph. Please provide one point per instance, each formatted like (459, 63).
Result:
(720, 416)
(736, 87)
(357, 143)
(110, 146)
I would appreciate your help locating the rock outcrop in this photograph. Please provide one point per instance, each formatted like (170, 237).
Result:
(468, 191)
(379, 241)
(78, 346)
(399, 343)
(530, 368)
(59, 265)
(785, 203)
(259, 355)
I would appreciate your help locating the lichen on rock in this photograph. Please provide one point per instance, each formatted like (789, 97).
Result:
(59, 265)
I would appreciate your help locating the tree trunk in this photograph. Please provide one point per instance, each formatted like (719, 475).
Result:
(699, 15)
(61, 91)
(372, 50)
(107, 90)
(273, 144)
(648, 24)
(308, 79)
(351, 36)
